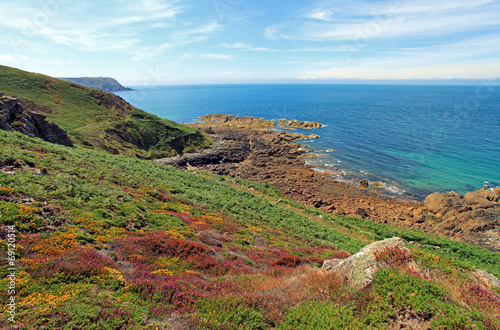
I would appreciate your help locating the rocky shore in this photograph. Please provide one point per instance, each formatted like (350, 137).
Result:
(247, 148)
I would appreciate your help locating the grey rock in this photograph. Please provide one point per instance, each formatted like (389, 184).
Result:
(13, 117)
(359, 268)
(486, 278)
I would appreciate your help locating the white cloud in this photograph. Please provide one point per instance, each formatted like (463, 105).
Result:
(320, 14)
(236, 45)
(209, 56)
(244, 46)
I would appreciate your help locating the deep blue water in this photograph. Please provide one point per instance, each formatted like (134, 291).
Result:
(415, 139)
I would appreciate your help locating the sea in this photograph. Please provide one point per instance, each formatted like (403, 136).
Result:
(411, 140)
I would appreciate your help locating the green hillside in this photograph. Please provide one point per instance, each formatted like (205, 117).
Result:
(99, 120)
(103, 83)
(106, 242)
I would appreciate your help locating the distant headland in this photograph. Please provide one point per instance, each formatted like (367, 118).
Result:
(103, 83)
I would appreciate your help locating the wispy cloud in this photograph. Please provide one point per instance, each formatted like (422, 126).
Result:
(244, 46)
(209, 56)
(387, 19)
(108, 27)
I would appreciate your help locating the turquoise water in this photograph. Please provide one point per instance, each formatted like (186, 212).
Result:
(415, 139)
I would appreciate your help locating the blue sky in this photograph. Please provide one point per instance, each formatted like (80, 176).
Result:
(148, 42)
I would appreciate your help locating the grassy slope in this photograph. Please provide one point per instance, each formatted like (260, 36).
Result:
(148, 221)
(97, 119)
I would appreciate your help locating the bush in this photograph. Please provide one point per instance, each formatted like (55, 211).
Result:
(227, 313)
(80, 264)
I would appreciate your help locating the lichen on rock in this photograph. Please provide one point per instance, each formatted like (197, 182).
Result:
(359, 268)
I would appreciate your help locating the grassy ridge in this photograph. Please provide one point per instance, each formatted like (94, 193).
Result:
(120, 242)
(99, 120)
(102, 83)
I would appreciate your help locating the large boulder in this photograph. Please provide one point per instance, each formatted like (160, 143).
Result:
(359, 268)
(486, 279)
(481, 198)
(443, 204)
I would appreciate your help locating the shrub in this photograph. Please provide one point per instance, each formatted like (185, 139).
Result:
(400, 290)
(23, 217)
(147, 247)
(73, 266)
(227, 313)
(393, 256)
(315, 315)
(288, 261)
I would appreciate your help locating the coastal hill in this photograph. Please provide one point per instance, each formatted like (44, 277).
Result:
(103, 83)
(99, 120)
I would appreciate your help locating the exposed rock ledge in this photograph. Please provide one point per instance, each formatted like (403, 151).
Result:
(474, 217)
(292, 123)
(255, 123)
(14, 118)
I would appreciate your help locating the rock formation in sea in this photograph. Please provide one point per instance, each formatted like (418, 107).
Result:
(292, 123)
(255, 123)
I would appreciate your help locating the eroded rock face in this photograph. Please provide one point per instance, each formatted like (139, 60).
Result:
(359, 268)
(473, 218)
(14, 118)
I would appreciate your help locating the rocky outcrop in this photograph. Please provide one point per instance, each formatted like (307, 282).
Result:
(222, 120)
(112, 102)
(359, 268)
(13, 117)
(292, 123)
(232, 147)
(473, 218)
(486, 279)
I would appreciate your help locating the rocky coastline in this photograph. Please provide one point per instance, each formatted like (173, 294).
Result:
(248, 148)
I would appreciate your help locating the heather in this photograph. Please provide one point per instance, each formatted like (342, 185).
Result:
(115, 242)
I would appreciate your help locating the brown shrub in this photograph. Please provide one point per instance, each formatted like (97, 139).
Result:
(288, 261)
